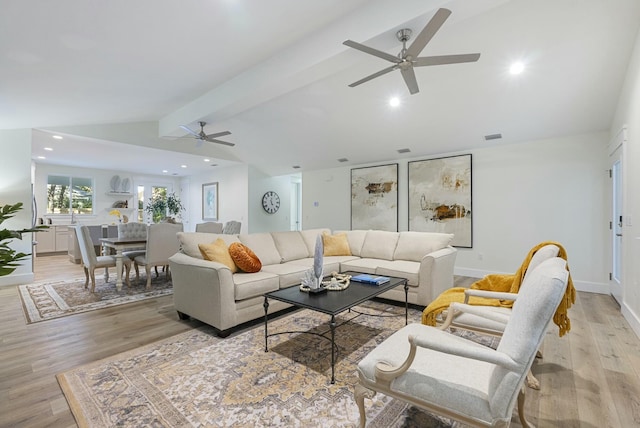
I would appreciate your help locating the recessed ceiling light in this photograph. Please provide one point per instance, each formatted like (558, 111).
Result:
(207, 160)
(49, 149)
(394, 102)
(164, 171)
(57, 137)
(183, 166)
(41, 157)
(516, 68)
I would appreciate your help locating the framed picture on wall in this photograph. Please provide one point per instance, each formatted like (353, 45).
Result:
(440, 197)
(374, 198)
(210, 201)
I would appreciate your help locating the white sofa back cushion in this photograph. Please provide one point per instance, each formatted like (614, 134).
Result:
(290, 245)
(356, 240)
(309, 236)
(263, 246)
(415, 245)
(189, 241)
(379, 244)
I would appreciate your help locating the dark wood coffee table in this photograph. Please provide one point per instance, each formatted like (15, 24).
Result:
(332, 303)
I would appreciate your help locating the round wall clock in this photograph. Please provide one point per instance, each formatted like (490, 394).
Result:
(271, 202)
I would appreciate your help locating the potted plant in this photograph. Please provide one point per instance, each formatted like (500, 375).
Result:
(9, 258)
(160, 205)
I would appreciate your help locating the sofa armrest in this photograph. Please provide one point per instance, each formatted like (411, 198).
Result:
(436, 274)
(203, 290)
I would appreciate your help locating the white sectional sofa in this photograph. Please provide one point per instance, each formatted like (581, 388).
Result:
(210, 292)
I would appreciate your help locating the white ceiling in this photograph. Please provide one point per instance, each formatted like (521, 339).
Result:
(275, 74)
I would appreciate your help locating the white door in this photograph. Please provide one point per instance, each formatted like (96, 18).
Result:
(617, 218)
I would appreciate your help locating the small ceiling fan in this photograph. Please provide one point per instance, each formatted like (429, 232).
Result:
(408, 58)
(212, 138)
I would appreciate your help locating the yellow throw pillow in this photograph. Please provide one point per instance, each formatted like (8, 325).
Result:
(218, 252)
(245, 258)
(336, 245)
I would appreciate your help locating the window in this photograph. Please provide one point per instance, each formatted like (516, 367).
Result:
(67, 195)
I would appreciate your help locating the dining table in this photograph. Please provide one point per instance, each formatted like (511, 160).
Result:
(120, 245)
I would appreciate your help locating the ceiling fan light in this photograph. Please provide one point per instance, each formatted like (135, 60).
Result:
(516, 68)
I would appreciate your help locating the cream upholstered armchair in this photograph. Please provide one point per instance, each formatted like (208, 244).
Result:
(460, 379)
(162, 243)
(91, 261)
(135, 231)
(209, 227)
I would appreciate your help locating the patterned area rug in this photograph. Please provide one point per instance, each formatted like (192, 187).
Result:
(197, 379)
(43, 301)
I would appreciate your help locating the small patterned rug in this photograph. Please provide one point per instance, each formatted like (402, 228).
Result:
(197, 379)
(42, 301)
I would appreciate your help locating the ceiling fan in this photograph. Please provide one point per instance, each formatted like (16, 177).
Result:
(408, 58)
(212, 138)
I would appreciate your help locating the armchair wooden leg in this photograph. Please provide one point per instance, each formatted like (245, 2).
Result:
(523, 421)
(86, 277)
(93, 281)
(360, 394)
(148, 270)
(532, 382)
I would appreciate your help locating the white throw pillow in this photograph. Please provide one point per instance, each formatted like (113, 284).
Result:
(415, 245)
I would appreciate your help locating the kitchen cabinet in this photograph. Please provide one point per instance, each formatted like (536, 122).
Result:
(55, 239)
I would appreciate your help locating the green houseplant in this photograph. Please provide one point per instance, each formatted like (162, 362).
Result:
(159, 206)
(9, 258)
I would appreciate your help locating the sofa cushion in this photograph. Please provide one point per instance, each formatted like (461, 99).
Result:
(310, 236)
(379, 244)
(189, 241)
(244, 258)
(356, 239)
(218, 252)
(262, 244)
(288, 273)
(249, 285)
(290, 245)
(329, 263)
(360, 265)
(415, 245)
(401, 269)
(336, 245)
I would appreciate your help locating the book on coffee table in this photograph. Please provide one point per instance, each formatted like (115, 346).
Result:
(370, 279)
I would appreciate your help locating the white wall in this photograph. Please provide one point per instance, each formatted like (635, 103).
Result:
(259, 219)
(628, 113)
(233, 185)
(102, 200)
(15, 186)
(523, 194)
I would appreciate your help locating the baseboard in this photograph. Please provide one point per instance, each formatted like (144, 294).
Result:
(587, 286)
(23, 278)
(632, 318)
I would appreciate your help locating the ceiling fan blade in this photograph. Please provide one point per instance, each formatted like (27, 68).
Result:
(371, 51)
(189, 131)
(212, 140)
(373, 76)
(218, 134)
(445, 59)
(428, 32)
(410, 79)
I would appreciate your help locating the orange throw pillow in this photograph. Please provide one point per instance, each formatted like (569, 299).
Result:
(218, 252)
(244, 258)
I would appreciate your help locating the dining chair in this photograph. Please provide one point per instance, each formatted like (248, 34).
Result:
(209, 227)
(162, 243)
(91, 261)
(460, 379)
(231, 227)
(135, 231)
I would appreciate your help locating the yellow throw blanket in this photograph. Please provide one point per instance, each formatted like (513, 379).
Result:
(503, 283)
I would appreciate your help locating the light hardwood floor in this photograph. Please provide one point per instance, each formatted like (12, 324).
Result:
(590, 377)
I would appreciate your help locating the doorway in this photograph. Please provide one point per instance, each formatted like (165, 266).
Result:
(617, 218)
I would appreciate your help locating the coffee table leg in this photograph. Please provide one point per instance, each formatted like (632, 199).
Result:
(333, 348)
(266, 309)
(406, 303)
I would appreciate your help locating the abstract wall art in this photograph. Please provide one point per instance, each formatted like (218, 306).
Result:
(374, 198)
(440, 197)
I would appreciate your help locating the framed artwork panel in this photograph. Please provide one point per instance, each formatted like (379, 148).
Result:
(374, 198)
(210, 201)
(440, 197)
